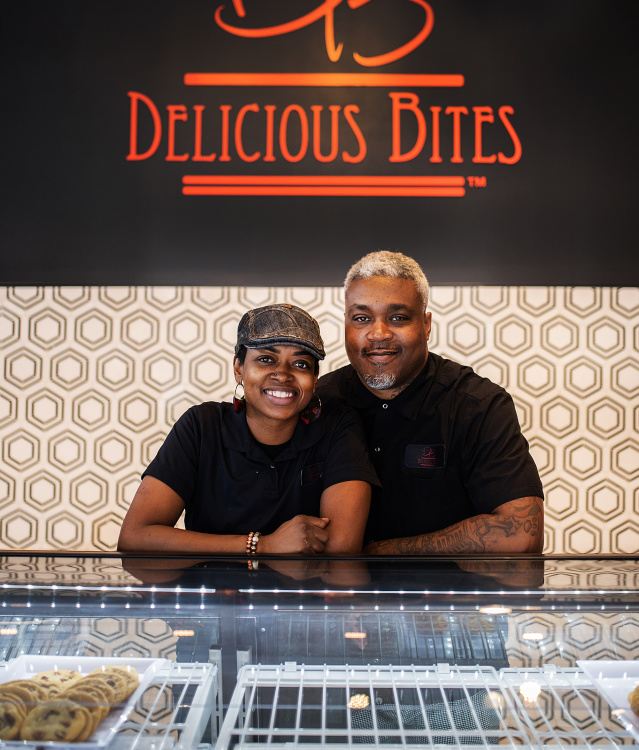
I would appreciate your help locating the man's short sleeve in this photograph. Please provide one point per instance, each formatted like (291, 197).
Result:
(497, 463)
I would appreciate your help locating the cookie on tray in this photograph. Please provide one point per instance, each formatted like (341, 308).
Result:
(95, 716)
(634, 700)
(99, 684)
(56, 679)
(103, 697)
(19, 695)
(128, 672)
(90, 700)
(116, 681)
(12, 715)
(34, 688)
(56, 721)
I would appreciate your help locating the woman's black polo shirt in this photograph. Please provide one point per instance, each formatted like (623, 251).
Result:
(447, 448)
(230, 486)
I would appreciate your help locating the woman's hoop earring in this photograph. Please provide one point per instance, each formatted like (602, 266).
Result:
(238, 401)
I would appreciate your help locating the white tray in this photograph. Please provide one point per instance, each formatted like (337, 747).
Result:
(24, 667)
(615, 680)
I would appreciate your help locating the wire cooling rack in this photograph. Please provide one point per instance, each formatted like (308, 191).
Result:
(562, 706)
(344, 706)
(395, 706)
(176, 711)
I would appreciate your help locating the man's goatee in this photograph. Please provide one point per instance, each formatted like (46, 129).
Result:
(381, 381)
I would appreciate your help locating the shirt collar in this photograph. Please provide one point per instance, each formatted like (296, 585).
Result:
(237, 436)
(407, 403)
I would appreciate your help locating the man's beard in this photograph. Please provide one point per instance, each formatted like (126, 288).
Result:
(382, 381)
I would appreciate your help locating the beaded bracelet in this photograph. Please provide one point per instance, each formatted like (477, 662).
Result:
(251, 542)
(254, 541)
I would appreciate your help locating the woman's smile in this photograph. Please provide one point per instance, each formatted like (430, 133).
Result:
(279, 382)
(279, 395)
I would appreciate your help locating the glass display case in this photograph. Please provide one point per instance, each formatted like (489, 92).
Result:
(392, 652)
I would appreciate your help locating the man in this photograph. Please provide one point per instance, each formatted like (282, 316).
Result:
(457, 476)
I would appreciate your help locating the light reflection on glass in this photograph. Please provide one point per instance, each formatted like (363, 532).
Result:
(532, 636)
(529, 691)
(495, 609)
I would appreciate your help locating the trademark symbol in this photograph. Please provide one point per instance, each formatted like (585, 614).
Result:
(477, 182)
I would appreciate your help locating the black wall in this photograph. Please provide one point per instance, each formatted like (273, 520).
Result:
(76, 211)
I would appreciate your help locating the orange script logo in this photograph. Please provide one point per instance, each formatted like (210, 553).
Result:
(326, 11)
(409, 122)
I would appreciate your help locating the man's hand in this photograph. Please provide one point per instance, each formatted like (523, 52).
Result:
(514, 527)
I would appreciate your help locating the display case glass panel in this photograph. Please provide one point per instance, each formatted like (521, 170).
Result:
(516, 651)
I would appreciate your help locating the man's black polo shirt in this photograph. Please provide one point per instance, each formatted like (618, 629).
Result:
(230, 486)
(447, 448)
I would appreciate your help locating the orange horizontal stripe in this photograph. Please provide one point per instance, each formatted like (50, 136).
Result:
(415, 181)
(321, 79)
(336, 190)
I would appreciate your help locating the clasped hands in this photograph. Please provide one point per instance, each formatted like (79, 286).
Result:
(301, 535)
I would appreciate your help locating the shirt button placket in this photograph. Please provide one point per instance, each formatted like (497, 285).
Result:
(378, 449)
(380, 431)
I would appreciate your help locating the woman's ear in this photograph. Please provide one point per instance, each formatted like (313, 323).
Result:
(237, 370)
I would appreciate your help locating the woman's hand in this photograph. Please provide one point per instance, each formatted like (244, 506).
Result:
(302, 535)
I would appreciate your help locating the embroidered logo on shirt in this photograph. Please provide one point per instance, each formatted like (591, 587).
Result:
(312, 473)
(425, 456)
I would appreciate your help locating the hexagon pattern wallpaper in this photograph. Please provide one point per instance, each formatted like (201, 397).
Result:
(94, 377)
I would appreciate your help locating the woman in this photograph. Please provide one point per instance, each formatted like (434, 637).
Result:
(273, 473)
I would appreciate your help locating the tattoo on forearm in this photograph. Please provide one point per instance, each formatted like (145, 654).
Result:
(485, 533)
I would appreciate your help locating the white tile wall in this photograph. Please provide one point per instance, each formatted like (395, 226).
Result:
(94, 377)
